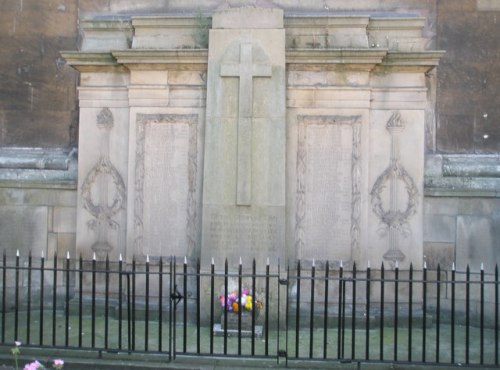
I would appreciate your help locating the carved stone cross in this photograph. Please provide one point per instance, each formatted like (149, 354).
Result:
(246, 71)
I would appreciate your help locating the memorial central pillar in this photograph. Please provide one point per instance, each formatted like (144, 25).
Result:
(245, 138)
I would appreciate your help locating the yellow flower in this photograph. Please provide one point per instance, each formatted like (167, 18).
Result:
(248, 303)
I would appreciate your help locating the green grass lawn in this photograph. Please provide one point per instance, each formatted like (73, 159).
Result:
(186, 341)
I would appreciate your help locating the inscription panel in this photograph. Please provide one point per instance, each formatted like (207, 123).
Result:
(165, 209)
(249, 234)
(329, 189)
(165, 188)
(328, 183)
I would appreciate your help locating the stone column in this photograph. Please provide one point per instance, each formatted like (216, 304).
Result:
(244, 169)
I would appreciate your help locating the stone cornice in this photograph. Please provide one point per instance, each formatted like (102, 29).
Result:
(81, 58)
(335, 56)
(420, 61)
(396, 23)
(106, 24)
(38, 168)
(134, 59)
(162, 21)
(344, 21)
(171, 56)
(462, 175)
(84, 61)
(366, 59)
(421, 58)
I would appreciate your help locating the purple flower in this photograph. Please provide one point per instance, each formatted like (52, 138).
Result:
(33, 366)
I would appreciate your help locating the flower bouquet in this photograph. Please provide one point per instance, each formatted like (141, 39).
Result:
(234, 303)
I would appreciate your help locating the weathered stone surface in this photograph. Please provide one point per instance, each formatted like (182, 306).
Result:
(37, 93)
(439, 254)
(468, 111)
(477, 242)
(23, 229)
(64, 220)
(488, 5)
(440, 228)
(66, 243)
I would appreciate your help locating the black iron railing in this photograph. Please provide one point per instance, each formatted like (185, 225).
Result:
(305, 312)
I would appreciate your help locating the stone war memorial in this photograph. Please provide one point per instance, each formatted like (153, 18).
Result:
(236, 178)
(285, 137)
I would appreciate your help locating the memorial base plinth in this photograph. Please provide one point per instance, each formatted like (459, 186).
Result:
(232, 326)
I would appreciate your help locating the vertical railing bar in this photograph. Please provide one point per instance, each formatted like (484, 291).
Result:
(129, 313)
(481, 318)
(66, 327)
(170, 310)
(4, 292)
(254, 304)
(226, 283)
(28, 313)
(212, 298)
(240, 308)
(120, 301)
(343, 312)
(396, 309)
(452, 339)
(467, 314)
(133, 302)
(80, 301)
(146, 308)
(496, 314)
(297, 313)
(16, 299)
(325, 312)
(438, 312)
(106, 303)
(287, 307)
(173, 310)
(410, 311)
(160, 305)
(339, 316)
(266, 311)
(353, 314)
(42, 290)
(94, 262)
(382, 283)
(311, 312)
(424, 318)
(54, 300)
(184, 305)
(198, 306)
(367, 328)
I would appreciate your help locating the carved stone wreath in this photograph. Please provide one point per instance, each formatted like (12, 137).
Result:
(394, 219)
(103, 167)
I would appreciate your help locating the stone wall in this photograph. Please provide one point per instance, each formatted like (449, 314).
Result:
(38, 105)
(468, 101)
(37, 201)
(462, 211)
